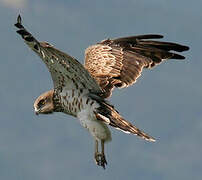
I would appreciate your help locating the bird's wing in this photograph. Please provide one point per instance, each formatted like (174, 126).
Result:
(66, 71)
(119, 62)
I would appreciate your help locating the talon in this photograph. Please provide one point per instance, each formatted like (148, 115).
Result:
(103, 161)
(97, 159)
(100, 160)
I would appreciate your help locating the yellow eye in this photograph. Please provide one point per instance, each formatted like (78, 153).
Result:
(41, 103)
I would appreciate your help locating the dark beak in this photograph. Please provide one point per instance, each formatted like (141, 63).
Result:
(37, 111)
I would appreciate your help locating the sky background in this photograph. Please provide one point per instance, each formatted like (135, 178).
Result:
(165, 102)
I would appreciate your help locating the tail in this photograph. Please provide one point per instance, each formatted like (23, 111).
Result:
(109, 115)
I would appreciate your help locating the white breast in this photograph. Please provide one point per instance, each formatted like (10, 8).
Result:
(77, 103)
(98, 129)
(72, 100)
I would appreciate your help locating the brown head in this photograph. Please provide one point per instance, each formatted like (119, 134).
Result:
(44, 103)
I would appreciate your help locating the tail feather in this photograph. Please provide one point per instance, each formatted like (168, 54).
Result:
(110, 116)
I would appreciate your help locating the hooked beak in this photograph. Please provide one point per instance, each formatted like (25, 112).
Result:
(37, 111)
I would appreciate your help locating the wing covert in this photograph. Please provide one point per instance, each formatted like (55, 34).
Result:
(66, 71)
(119, 62)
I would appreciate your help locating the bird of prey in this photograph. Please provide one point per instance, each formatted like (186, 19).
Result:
(82, 91)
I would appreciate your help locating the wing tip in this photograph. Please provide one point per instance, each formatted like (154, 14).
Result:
(185, 48)
(19, 19)
(181, 48)
(19, 22)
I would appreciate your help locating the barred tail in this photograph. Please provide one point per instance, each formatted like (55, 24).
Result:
(110, 116)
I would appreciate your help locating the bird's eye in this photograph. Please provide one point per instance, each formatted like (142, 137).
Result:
(41, 103)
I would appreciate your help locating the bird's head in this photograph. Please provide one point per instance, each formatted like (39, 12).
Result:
(44, 103)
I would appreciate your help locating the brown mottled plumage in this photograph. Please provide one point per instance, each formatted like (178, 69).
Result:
(81, 92)
(119, 62)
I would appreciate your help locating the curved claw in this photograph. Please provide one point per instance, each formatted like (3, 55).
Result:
(100, 160)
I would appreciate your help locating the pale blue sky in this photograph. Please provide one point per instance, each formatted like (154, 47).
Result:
(166, 102)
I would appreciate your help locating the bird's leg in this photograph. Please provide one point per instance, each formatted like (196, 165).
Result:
(103, 159)
(96, 154)
(100, 157)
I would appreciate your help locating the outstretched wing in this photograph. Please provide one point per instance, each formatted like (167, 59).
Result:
(65, 70)
(119, 62)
